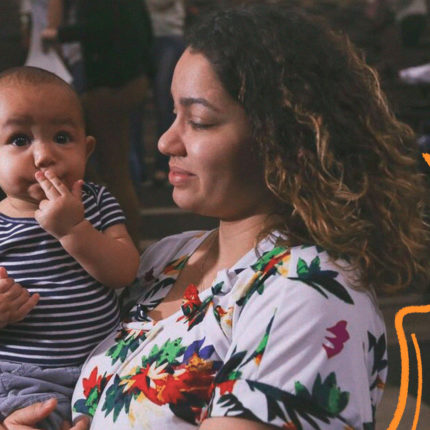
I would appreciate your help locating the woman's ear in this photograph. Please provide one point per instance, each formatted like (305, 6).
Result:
(91, 143)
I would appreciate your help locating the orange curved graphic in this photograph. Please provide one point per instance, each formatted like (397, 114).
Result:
(404, 356)
(426, 157)
(420, 381)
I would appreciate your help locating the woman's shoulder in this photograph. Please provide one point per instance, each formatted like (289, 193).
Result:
(305, 289)
(303, 277)
(160, 253)
(326, 278)
(317, 275)
(313, 262)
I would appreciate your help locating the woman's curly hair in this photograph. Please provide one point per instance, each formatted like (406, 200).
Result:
(342, 167)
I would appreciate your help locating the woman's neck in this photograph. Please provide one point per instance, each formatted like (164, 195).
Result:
(236, 238)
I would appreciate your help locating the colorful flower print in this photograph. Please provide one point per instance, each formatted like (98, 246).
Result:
(181, 374)
(271, 263)
(325, 394)
(225, 318)
(257, 355)
(92, 389)
(337, 342)
(149, 275)
(231, 372)
(192, 307)
(379, 348)
(175, 266)
(324, 402)
(126, 341)
(185, 385)
(322, 281)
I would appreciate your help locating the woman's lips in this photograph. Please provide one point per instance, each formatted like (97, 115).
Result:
(179, 176)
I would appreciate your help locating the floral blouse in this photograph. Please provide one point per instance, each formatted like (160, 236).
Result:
(280, 338)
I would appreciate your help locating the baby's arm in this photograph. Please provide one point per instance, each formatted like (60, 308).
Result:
(109, 256)
(15, 301)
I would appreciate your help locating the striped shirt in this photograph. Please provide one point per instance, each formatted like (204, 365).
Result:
(75, 312)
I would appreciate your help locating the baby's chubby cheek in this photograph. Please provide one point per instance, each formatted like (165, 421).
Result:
(36, 192)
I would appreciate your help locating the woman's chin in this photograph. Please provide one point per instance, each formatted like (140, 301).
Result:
(189, 201)
(183, 200)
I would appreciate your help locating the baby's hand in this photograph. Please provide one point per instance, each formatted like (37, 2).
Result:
(15, 301)
(62, 209)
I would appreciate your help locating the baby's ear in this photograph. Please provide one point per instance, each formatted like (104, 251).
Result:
(91, 143)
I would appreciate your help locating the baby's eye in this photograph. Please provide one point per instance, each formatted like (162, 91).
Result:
(20, 140)
(62, 137)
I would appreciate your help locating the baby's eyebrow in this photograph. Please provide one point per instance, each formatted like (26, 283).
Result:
(65, 121)
(22, 120)
(25, 120)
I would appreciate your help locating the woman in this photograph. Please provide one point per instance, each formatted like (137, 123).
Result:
(270, 320)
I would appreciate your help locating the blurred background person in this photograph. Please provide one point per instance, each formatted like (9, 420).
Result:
(65, 12)
(168, 18)
(196, 9)
(116, 39)
(12, 47)
(40, 55)
(14, 23)
(411, 16)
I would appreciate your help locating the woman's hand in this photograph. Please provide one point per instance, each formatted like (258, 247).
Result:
(230, 423)
(83, 423)
(27, 418)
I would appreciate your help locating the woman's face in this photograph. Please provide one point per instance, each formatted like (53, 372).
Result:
(213, 170)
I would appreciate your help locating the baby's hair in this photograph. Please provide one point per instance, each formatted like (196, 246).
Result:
(34, 76)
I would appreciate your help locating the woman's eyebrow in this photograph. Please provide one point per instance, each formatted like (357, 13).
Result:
(188, 101)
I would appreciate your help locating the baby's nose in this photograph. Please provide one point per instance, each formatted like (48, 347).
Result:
(43, 155)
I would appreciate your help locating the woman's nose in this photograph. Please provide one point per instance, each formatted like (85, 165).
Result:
(43, 154)
(171, 142)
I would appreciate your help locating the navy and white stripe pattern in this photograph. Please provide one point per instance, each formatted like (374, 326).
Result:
(75, 311)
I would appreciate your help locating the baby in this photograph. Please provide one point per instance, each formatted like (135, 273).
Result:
(63, 244)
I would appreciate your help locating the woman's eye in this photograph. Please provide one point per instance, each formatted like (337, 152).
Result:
(62, 138)
(200, 125)
(20, 140)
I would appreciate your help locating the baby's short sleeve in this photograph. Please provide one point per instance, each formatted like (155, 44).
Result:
(101, 208)
(303, 347)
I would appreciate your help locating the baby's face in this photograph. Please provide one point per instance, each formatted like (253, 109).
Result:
(41, 128)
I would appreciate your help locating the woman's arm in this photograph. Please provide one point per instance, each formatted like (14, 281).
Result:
(226, 423)
(302, 346)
